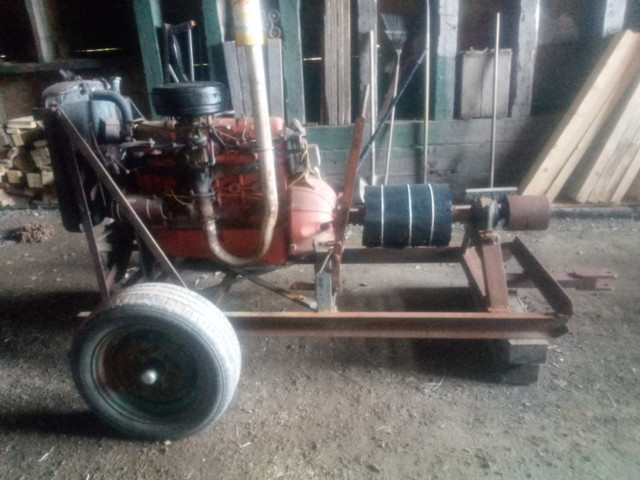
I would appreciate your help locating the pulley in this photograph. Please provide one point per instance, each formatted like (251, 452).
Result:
(407, 215)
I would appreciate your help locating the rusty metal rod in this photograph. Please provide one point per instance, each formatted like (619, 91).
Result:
(400, 324)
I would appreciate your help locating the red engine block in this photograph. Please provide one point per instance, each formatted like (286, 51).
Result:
(305, 208)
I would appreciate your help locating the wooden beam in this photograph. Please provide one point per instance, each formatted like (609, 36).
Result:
(629, 177)
(614, 16)
(213, 35)
(292, 60)
(525, 57)
(330, 62)
(344, 72)
(367, 21)
(233, 76)
(36, 67)
(148, 20)
(245, 84)
(45, 45)
(409, 133)
(445, 67)
(590, 109)
(276, 86)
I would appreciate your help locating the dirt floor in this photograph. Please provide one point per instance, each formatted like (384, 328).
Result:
(341, 408)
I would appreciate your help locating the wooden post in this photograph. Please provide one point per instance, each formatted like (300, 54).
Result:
(45, 47)
(614, 15)
(525, 57)
(276, 87)
(148, 20)
(367, 21)
(330, 61)
(213, 34)
(233, 77)
(292, 60)
(445, 67)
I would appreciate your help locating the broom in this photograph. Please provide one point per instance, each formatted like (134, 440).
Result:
(396, 31)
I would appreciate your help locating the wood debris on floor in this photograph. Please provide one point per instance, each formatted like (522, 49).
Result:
(26, 175)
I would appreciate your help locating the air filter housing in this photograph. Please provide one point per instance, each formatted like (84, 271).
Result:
(190, 99)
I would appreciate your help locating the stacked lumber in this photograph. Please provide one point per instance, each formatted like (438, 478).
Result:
(606, 175)
(599, 99)
(25, 164)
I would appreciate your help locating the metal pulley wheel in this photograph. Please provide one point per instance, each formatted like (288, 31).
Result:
(157, 361)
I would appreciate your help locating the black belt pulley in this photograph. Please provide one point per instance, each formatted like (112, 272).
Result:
(407, 215)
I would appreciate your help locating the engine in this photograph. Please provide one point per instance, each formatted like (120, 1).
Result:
(195, 180)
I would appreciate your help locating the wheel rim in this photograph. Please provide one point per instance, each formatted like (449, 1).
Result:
(149, 374)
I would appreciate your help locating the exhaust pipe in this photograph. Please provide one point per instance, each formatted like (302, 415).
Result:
(248, 32)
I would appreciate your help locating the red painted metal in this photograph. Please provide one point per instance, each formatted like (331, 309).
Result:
(311, 205)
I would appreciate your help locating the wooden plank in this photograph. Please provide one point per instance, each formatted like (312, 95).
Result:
(625, 153)
(563, 150)
(212, 12)
(338, 33)
(148, 20)
(245, 85)
(367, 21)
(525, 58)
(409, 133)
(344, 78)
(633, 193)
(445, 67)
(582, 186)
(3, 113)
(36, 67)
(629, 176)
(276, 86)
(330, 71)
(476, 90)
(233, 76)
(614, 16)
(292, 60)
(44, 41)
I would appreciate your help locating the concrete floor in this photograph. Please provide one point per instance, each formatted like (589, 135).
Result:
(339, 408)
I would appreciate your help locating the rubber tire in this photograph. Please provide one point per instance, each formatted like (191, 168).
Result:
(190, 320)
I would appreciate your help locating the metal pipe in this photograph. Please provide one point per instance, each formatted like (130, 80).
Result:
(495, 100)
(373, 98)
(427, 86)
(250, 38)
(393, 116)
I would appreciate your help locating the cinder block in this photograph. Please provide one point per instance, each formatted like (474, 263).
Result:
(525, 352)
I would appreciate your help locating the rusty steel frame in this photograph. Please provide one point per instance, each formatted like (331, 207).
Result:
(481, 256)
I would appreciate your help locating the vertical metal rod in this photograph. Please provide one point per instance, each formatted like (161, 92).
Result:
(393, 117)
(427, 79)
(191, 63)
(373, 99)
(495, 100)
